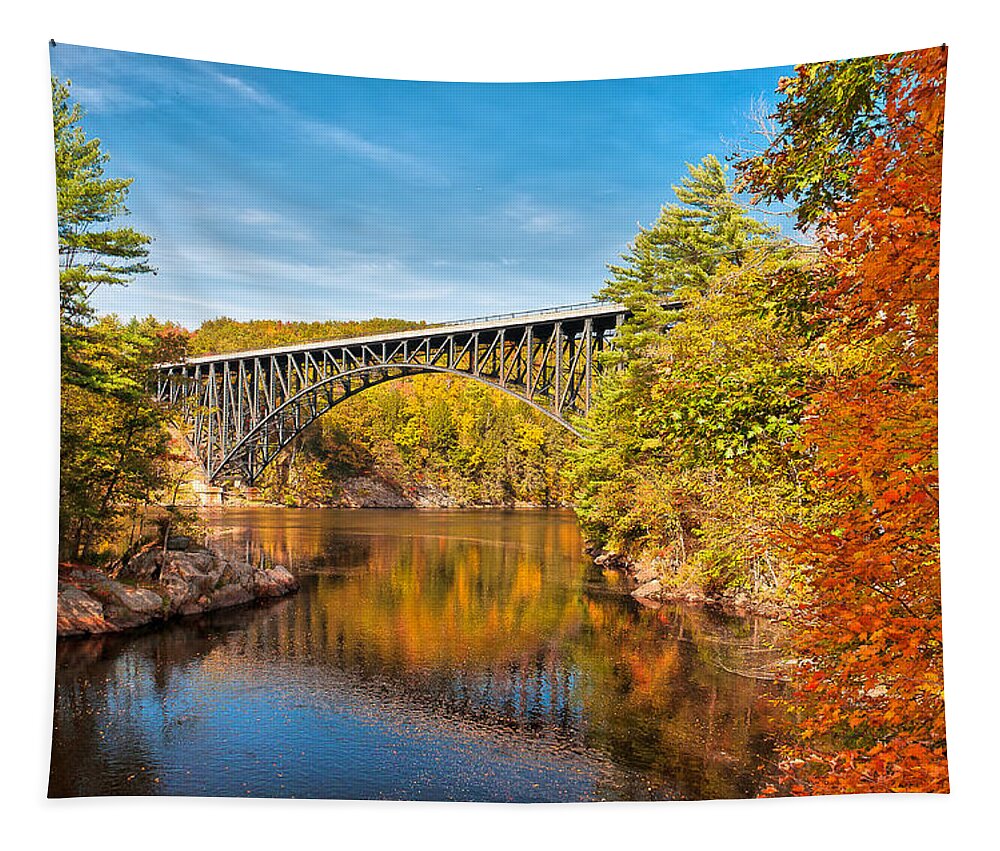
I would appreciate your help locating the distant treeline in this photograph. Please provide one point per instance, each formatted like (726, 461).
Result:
(217, 336)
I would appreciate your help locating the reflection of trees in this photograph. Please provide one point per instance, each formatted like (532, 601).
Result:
(661, 704)
(502, 633)
(479, 619)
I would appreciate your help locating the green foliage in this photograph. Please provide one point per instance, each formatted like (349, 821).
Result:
(89, 255)
(476, 444)
(829, 112)
(691, 454)
(682, 249)
(113, 441)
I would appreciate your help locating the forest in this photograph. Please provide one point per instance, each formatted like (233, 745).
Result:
(776, 437)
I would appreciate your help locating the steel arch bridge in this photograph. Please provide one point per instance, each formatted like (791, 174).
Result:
(240, 409)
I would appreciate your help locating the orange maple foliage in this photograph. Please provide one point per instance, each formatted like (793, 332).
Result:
(871, 690)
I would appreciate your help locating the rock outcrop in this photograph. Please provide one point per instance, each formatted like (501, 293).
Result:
(377, 492)
(157, 584)
(651, 583)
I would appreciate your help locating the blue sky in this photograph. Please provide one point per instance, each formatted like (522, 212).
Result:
(286, 195)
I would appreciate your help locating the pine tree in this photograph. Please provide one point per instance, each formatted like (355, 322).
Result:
(695, 421)
(682, 249)
(112, 441)
(91, 255)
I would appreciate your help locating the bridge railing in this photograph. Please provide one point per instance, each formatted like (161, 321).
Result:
(519, 313)
(562, 308)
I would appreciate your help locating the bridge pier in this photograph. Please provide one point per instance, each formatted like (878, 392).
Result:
(207, 494)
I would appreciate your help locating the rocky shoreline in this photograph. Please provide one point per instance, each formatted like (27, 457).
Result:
(648, 588)
(160, 583)
(375, 491)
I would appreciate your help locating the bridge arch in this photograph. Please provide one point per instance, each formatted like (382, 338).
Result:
(257, 449)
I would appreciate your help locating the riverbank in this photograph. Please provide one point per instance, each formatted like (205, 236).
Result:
(647, 583)
(160, 583)
(365, 491)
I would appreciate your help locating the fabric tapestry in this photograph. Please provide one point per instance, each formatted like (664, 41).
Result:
(525, 442)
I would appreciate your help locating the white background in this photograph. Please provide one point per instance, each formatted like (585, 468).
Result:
(510, 41)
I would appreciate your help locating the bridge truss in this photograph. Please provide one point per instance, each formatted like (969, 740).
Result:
(240, 409)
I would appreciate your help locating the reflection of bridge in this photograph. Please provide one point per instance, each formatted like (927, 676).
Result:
(240, 409)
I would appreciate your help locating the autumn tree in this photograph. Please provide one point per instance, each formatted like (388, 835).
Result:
(113, 442)
(860, 152)
(112, 435)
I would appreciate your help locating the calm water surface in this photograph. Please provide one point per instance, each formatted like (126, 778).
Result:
(428, 655)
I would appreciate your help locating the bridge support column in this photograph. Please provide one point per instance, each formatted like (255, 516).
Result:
(208, 494)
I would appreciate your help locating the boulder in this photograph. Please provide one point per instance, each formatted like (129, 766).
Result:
(195, 605)
(138, 600)
(178, 542)
(83, 576)
(126, 607)
(177, 592)
(649, 590)
(229, 595)
(145, 564)
(238, 572)
(646, 574)
(79, 614)
(183, 582)
(275, 582)
(194, 570)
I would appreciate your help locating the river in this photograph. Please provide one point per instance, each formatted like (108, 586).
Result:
(445, 655)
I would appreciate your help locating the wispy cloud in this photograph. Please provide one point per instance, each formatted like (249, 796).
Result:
(333, 135)
(348, 142)
(351, 143)
(277, 194)
(533, 217)
(107, 97)
(254, 216)
(247, 91)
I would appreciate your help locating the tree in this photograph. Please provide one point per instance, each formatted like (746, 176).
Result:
(113, 441)
(89, 256)
(683, 248)
(870, 692)
(830, 111)
(113, 438)
(691, 449)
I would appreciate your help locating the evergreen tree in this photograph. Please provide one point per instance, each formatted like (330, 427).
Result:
(683, 248)
(90, 254)
(113, 439)
(690, 448)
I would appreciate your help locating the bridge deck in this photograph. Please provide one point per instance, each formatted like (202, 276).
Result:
(598, 310)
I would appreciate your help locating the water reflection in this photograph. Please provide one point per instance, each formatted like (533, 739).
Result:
(472, 655)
